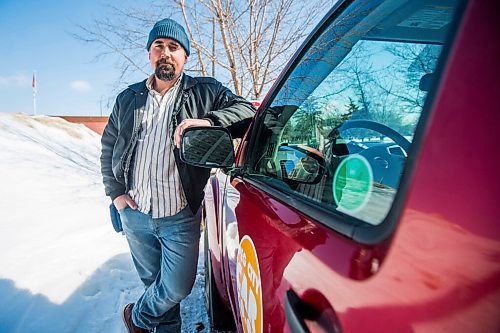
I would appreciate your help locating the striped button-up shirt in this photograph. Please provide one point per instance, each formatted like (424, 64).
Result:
(156, 185)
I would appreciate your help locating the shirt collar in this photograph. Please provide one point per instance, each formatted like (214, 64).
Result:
(150, 81)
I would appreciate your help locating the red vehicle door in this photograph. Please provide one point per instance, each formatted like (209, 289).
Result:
(341, 213)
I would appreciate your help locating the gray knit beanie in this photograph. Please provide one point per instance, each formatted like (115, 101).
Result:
(168, 28)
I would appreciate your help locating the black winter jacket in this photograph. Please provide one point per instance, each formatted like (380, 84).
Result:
(197, 98)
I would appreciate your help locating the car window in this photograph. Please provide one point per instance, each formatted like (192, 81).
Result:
(338, 132)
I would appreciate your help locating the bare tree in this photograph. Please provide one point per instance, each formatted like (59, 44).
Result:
(250, 45)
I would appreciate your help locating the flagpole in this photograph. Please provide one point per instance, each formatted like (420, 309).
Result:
(33, 85)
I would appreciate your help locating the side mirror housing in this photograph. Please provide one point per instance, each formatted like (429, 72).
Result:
(207, 147)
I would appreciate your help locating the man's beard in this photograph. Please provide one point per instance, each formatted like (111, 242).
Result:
(164, 70)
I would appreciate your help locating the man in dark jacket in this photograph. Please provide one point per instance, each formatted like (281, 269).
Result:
(157, 196)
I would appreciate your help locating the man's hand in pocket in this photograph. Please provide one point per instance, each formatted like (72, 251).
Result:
(123, 201)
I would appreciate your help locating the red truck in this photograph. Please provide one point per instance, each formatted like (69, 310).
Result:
(364, 196)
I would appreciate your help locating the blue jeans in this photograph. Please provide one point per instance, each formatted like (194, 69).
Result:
(165, 255)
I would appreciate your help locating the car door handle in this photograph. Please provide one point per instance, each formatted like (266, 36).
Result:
(321, 317)
(294, 310)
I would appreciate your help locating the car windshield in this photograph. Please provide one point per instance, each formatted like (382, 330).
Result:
(355, 97)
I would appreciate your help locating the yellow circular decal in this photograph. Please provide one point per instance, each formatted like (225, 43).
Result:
(249, 287)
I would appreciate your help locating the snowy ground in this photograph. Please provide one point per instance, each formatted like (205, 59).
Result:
(62, 267)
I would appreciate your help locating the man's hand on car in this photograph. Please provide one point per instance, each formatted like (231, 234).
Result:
(185, 124)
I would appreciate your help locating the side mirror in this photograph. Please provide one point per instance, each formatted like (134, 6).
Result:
(207, 147)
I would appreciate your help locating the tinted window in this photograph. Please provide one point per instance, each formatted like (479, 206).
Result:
(338, 132)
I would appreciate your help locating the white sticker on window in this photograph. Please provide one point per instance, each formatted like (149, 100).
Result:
(430, 17)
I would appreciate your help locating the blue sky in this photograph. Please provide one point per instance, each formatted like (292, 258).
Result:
(37, 35)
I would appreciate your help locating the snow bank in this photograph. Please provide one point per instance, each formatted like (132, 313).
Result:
(62, 267)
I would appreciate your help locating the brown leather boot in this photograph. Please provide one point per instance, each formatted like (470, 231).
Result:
(127, 319)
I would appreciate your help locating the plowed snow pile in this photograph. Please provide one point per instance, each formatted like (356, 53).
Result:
(62, 266)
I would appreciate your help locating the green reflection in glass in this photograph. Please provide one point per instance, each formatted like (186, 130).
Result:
(352, 183)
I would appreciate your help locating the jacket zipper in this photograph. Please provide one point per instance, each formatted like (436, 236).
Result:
(138, 115)
(173, 120)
